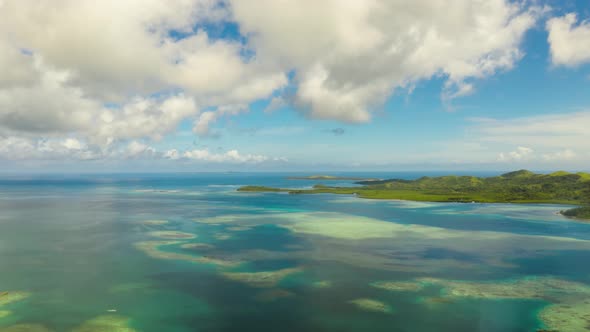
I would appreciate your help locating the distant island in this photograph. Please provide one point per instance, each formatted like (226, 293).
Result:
(330, 177)
(515, 187)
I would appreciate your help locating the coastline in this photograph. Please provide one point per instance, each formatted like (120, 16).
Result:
(574, 205)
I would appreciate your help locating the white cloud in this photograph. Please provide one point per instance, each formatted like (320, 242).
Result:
(172, 154)
(16, 148)
(520, 154)
(551, 138)
(570, 44)
(143, 117)
(137, 149)
(206, 119)
(63, 61)
(201, 127)
(45, 103)
(103, 79)
(19, 148)
(551, 131)
(349, 56)
(523, 154)
(559, 156)
(232, 156)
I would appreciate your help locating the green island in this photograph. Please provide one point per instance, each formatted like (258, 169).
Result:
(330, 177)
(514, 187)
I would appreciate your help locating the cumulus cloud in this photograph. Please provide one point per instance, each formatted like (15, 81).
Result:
(17, 148)
(520, 154)
(137, 149)
(524, 154)
(151, 63)
(115, 75)
(569, 40)
(206, 119)
(229, 156)
(143, 117)
(349, 56)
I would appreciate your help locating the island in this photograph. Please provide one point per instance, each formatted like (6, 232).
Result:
(521, 186)
(330, 177)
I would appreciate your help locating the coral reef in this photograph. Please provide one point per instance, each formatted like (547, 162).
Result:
(371, 305)
(569, 311)
(14, 296)
(152, 249)
(197, 246)
(570, 317)
(264, 279)
(222, 236)
(541, 288)
(172, 235)
(106, 323)
(130, 287)
(25, 328)
(322, 284)
(399, 286)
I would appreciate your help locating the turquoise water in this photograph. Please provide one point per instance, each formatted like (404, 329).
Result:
(120, 247)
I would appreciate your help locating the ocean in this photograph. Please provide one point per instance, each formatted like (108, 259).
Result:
(187, 252)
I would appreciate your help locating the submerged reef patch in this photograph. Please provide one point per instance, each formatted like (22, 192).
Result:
(25, 328)
(197, 246)
(569, 311)
(152, 249)
(570, 317)
(131, 287)
(371, 305)
(7, 297)
(367, 242)
(322, 284)
(264, 279)
(541, 288)
(5, 313)
(222, 236)
(106, 323)
(398, 286)
(172, 235)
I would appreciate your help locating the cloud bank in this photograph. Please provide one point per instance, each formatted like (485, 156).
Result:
(90, 80)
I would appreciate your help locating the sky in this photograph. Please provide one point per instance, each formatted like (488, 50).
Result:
(294, 85)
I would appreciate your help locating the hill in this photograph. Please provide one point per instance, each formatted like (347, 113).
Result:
(514, 187)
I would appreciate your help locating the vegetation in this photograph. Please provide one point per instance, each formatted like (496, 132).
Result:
(515, 187)
(581, 213)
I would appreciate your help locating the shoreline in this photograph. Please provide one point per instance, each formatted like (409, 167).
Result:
(247, 189)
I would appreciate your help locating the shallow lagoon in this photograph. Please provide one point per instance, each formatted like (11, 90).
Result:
(188, 253)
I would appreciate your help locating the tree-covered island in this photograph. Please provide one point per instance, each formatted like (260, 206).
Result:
(515, 187)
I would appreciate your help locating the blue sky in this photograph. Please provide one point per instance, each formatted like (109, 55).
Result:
(220, 85)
